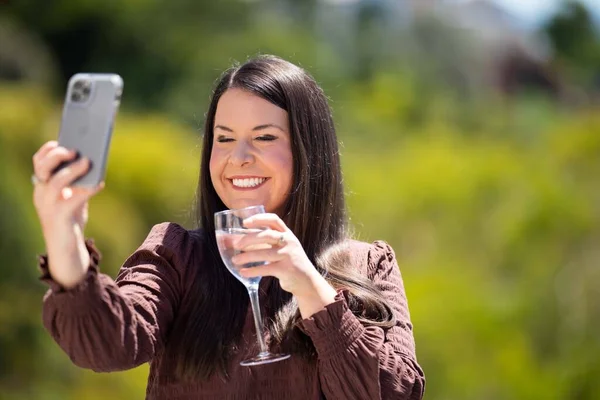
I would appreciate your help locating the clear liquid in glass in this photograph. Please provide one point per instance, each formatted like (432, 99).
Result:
(229, 229)
(226, 241)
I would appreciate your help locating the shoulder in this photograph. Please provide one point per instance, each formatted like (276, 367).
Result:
(173, 241)
(371, 258)
(373, 251)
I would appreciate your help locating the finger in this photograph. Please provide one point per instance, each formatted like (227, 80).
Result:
(66, 176)
(97, 189)
(76, 197)
(42, 151)
(82, 195)
(268, 237)
(66, 193)
(228, 240)
(268, 220)
(46, 166)
(262, 270)
(268, 255)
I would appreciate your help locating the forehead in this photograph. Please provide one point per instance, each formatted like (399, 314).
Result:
(238, 107)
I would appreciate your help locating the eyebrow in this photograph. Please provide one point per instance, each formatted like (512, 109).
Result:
(256, 128)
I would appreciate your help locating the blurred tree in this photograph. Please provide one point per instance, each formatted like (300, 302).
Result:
(23, 56)
(575, 41)
(150, 43)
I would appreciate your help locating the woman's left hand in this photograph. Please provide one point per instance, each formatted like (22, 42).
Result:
(287, 261)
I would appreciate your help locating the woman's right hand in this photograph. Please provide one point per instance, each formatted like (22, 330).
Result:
(62, 211)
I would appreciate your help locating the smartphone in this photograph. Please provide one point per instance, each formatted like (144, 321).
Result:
(89, 111)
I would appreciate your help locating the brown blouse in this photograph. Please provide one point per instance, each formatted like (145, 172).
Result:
(107, 325)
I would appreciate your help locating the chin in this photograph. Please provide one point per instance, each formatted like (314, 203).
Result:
(246, 203)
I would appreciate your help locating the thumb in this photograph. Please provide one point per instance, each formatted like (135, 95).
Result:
(80, 196)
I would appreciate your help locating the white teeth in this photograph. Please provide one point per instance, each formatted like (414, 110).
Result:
(248, 182)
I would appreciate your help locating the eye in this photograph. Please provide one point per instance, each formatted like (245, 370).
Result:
(266, 138)
(224, 139)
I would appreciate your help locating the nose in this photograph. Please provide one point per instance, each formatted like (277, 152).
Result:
(241, 154)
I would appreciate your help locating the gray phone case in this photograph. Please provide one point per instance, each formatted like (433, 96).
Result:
(89, 111)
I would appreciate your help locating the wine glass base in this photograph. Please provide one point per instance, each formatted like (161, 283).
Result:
(264, 358)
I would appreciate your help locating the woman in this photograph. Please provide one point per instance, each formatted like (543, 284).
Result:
(337, 305)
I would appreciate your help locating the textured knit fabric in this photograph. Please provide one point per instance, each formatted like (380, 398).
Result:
(111, 325)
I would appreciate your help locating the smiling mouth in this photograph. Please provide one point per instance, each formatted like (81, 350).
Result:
(247, 183)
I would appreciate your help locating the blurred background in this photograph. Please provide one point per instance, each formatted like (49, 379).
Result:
(470, 136)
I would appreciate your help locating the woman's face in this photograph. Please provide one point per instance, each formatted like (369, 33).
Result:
(251, 160)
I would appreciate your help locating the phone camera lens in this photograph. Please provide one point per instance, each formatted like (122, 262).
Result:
(81, 90)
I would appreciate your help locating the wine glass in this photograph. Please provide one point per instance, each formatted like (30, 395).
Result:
(229, 230)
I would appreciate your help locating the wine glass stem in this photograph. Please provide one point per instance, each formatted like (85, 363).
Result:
(258, 323)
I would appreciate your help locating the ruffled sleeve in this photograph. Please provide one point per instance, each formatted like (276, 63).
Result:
(367, 362)
(90, 276)
(108, 325)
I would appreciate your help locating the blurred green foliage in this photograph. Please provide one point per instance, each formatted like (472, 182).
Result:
(575, 41)
(491, 203)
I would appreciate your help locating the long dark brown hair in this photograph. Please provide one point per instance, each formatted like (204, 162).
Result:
(314, 211)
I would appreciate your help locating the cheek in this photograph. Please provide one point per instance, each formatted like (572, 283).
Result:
(285, 166)
(214, 166)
